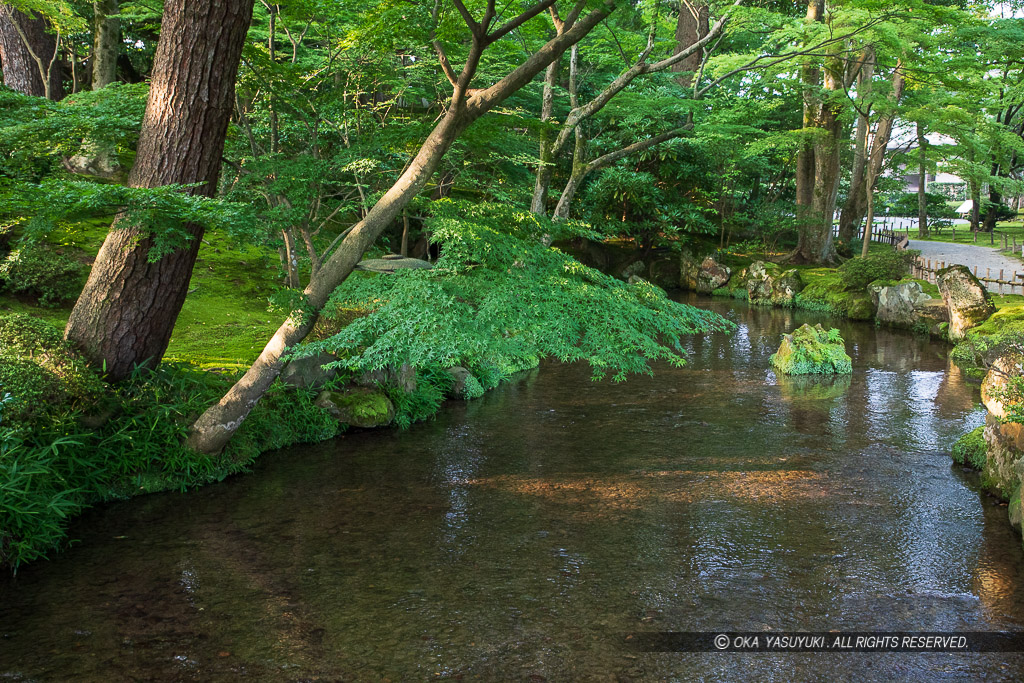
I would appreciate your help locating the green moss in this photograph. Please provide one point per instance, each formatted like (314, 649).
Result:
(364, 405)
(970, 449)
(812, 351)
(824, 292)
(1004, 328)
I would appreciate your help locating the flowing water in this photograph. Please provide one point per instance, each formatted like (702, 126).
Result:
(519, 536)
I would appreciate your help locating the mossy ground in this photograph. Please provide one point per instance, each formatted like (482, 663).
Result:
(225, 321)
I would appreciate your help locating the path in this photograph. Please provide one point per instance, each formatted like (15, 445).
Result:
(985, 258)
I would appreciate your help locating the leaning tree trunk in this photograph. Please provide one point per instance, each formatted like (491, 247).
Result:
(18, 42)
(214, 428)
(127, 310)
(106, 41)
(876, 154)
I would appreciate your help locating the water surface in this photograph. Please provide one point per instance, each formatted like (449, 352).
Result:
(519, 536)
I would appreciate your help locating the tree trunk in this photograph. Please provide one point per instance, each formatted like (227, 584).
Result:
(214, 428)
(125, 314)
(815, 242)
(692, 24)
(545, 170)
(883, 133)
(856, 202)
(996, 198)
(922, 185)
(291, 258)
(106, 43)
(27, 51)
(810, 77)
(975, 205)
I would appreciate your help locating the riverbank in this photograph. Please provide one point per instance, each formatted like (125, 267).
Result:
(388, 349)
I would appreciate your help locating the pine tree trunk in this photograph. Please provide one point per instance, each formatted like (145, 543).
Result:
(125, 314)
(20, 68)
(106, 41)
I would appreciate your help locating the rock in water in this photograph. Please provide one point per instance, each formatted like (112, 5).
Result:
(812, 351)
(968, 301)
(712, 275)
(358, 407)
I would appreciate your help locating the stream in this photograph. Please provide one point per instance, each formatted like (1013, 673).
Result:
(521, 535)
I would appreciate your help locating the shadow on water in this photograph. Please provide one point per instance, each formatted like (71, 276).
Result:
(520, 535)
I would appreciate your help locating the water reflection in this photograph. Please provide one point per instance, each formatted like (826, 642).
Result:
(518, 536)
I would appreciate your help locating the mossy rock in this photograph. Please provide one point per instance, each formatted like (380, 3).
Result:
(41, 372)
(970, 449)
(812, 351)
(358, 406)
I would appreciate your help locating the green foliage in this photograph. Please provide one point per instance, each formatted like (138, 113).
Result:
(432, 384)
(812, 351)
(498, 297)
(858, 273)
(37, 270)
(970, 450)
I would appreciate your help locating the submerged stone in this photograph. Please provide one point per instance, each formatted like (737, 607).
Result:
(812, 351)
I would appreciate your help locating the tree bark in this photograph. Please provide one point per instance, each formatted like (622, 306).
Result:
(880, 143)
(996, 198)
(125, 314)
(922, 184)
(856, 202)
(106, 43)
(214, 428)
(692, 24)
(27, 51)
(810, 77)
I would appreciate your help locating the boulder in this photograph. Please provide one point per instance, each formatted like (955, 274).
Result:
(934, 315)
(308, 372)
(711, 275)
(1004, 447)
(689, 270)
(633, 270)
(812, 351)
(459, 375)
(403, 378)
(1008, 365)
(966, 299)
(390, 263)
(358, 406)
(769, 285)
(897, 304)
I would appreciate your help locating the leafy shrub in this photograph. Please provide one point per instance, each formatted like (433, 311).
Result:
(858, 273)
(905, 204)
(40, 372)
(39, 271)
(498, 297)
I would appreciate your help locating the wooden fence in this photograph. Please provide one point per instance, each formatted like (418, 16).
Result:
(925, 269)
